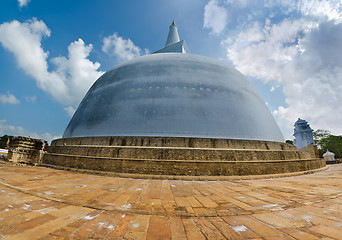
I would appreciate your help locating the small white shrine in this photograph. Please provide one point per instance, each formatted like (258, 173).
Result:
(329, 156)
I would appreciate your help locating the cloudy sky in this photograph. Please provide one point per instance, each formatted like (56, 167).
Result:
(51, 52)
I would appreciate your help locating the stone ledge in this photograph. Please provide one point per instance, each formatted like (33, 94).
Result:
(190, 142)
(169, 153)
(188, 178)
(172, 169)
(180, 160)
(163, 147)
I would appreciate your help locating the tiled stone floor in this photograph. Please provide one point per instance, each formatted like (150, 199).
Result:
(42, 203)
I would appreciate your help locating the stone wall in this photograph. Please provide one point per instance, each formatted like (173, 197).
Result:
(311, 149)
(173, 142)
(183, 168)
(170, 156)
(27, 150)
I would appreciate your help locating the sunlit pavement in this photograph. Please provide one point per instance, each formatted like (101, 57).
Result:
(43, 203)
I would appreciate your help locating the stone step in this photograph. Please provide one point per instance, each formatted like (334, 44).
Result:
(179, 153)
(180, 167)
(169, 160)
(173, 142)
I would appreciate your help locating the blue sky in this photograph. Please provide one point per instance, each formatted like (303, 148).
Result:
(52, 51)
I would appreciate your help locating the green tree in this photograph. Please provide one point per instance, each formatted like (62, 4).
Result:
(326, 141)
(333, 144)
(320, 134)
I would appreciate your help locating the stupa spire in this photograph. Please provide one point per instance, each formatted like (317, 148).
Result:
(173, 36)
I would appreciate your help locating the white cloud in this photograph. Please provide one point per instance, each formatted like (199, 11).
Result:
(327, 9)
(11, 130)
(8, 98)
(215, 17)
(70, 111)
(121, 48)
(309, 67)
(285, 121)
(23, 3)
(31, 99)
(46, 136)
(264, 52)
(300, 52)
(74, 75)
(76, 72)
(239, 3)
(313, 91)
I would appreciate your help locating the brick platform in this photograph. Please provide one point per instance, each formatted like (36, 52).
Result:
(42, 203)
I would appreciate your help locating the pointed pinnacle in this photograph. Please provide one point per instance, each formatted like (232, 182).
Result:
(173, 36)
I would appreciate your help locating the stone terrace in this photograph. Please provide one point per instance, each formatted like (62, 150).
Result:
(42, 203)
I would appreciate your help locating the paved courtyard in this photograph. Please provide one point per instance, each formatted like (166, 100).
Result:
(43, 203)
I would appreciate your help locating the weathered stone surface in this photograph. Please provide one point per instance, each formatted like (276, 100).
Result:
(171, 156)
(172, 142)
(27, 150)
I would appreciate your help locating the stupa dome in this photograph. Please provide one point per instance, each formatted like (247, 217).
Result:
(174, 94)
(176, 115)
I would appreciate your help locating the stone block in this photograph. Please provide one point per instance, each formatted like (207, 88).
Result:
(27, 150)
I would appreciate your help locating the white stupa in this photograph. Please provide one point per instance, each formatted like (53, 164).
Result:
(173, 93)
(329, 156)
(173, 114)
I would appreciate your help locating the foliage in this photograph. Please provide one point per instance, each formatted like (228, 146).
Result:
(319, 134)
(289, 141)
(3, 141)
(325, 141)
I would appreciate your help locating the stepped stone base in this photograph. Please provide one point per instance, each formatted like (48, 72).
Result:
(27, 150)
(170, 156)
